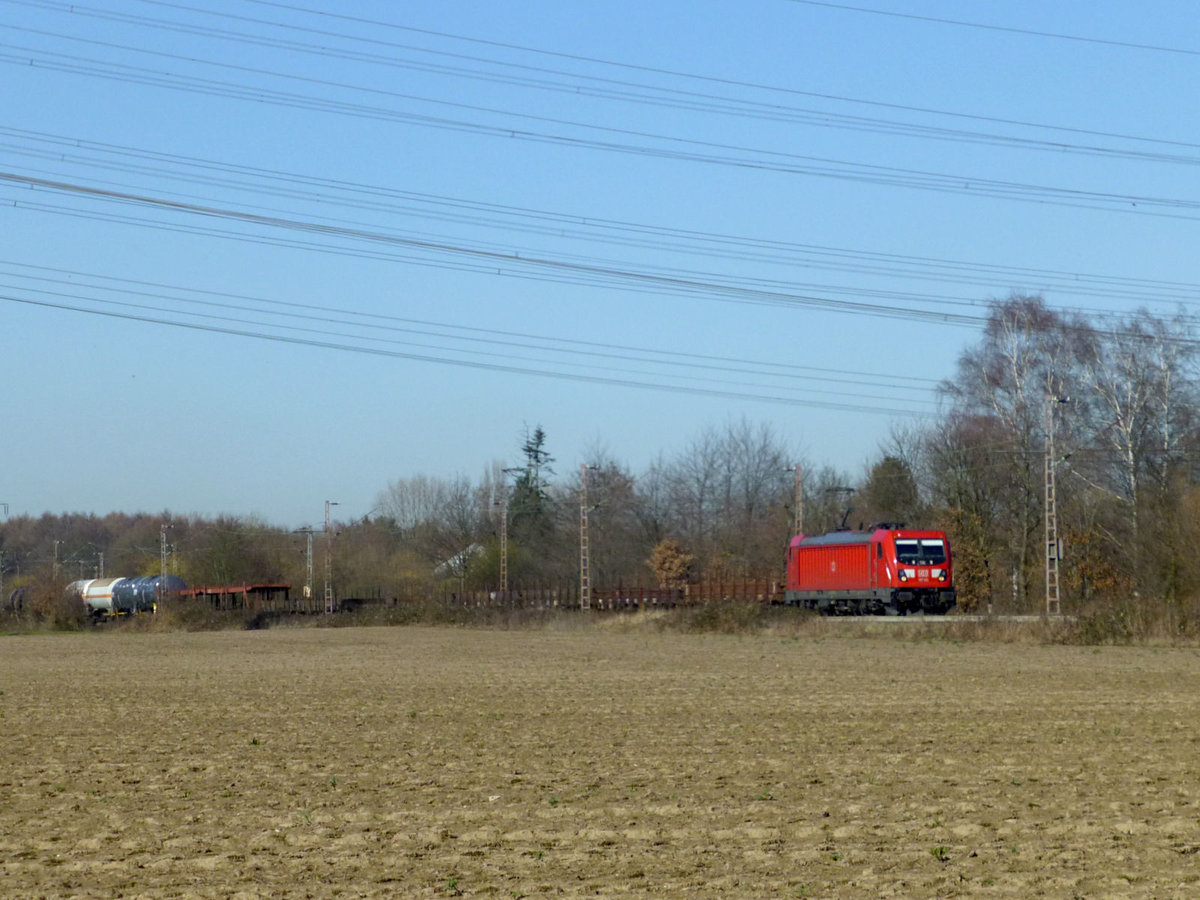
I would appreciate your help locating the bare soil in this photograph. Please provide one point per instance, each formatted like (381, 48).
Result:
(426, 762)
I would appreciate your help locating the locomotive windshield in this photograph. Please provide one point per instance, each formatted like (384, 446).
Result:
(920, 553)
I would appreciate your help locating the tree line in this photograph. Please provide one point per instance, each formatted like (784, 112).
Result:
(1119, 395)
(1117, 398)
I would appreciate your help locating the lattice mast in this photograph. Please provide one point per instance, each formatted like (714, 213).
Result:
(308, 568)
(1053, 548)
(163, 551)
(798, 523)
(330, 603)
(504, 545)
(585, 575)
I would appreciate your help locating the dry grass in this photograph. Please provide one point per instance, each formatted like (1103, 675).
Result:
(1127, 622)
(624, 759)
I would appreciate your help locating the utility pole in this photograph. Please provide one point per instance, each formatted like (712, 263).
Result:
(798, 524)
(504, 544)
(329, 603)
(504, 531)
(3, 506)
(101, 575)
(162, 560)
(1053, 545)
(585, 577)
(308, 568)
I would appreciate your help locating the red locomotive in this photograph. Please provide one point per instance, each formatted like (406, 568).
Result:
(888, 570)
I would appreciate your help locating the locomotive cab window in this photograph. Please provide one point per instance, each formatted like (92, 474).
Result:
(921, 553)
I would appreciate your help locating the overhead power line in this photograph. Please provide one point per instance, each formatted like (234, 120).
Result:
(581, 84)
(442, 254)
(633, 67)
(610, 139)
(1029, 32)
(547, 266)
(893, 410)
(66, 153)
(368, 325)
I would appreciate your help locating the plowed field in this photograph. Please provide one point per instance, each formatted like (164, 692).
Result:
(421, 762)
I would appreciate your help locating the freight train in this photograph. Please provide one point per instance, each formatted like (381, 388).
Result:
(887, 570)
(123, 596)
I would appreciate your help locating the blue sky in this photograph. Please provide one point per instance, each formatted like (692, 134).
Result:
(258, 255)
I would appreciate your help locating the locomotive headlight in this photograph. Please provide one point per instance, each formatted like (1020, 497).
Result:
(939, 574)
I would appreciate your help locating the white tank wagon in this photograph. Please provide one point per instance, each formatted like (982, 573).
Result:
(123, 596)
(96, 594)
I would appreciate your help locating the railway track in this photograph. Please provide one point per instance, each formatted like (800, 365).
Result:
(921, 619)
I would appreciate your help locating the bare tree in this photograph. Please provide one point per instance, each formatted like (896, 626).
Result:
(1121, 445)
(890, 493)
(730, 493)
(968, 483)
(1024, 356)
(618, 544)
(1138, 400)
(437, 518)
